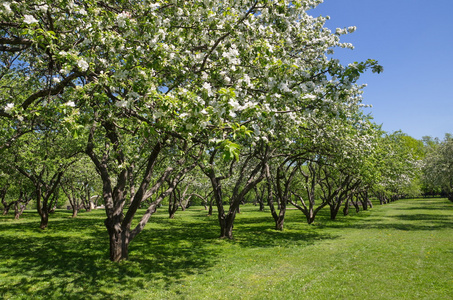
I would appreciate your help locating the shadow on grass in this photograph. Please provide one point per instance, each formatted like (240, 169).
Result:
(405, 222)
(432, 207)
(70, 259)
(431, 204)
(259, 232)
(406, 226)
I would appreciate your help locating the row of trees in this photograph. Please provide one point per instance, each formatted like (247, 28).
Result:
(438, 167)
(141, 101)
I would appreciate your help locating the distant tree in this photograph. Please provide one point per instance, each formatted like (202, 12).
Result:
(42, 158)
(80, 183)
(398, 165)
(438, 166)
(244, 172)
(280, 185)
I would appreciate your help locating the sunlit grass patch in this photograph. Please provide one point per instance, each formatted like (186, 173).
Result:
(401, 250)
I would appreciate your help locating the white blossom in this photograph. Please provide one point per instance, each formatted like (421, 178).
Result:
(284, 87)
(29, 19)
(351, 29)
(154, 6)
(235, 105)
(232, 55)
(7, 8)
(70, 104)
(43, 7)
(246, 79)
(121, 18)
(9, 107)
(122, 103)
(83, 65)
(65, 70)
(207, 87)
(309, 97)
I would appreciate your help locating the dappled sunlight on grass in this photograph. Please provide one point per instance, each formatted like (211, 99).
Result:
(405, 244)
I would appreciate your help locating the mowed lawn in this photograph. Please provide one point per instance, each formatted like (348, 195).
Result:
(403, 250)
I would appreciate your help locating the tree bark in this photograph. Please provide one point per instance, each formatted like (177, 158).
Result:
(279, 218)
(217, 188)
(44, 219)
(227, 229)
(210, 207)
(6, 206)
(18, 210)
(119, 239)
(172, 205)
(346, 208)
(364, 200)
(334, 210)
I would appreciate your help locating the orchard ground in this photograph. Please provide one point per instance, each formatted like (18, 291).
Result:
(402, 250)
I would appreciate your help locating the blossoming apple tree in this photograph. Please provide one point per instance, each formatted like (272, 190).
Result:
(156, 83)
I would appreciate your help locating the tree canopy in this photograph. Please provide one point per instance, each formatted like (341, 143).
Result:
(245, 93)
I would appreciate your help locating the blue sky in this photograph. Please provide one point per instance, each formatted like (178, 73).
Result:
(413, 41)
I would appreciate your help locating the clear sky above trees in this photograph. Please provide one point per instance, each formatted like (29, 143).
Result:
(412, 40)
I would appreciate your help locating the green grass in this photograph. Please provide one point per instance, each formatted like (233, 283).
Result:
(402, 250)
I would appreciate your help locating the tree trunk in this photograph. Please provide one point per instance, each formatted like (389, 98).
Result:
(260, 197)
(119, 240)
(279, 218)
(210, 208)
(261, 205)
(346, 208)
(217, 190)
(21, 204)
(119, 247)
(226, 227)
(356, 205)
(44, 219)
(5, 205)
(17, 211)
(334, 210)
(172, 208)
(364, 202)
(280, 221)
(6, 209)
(310, 215)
